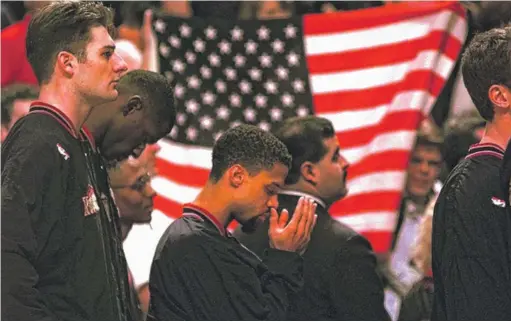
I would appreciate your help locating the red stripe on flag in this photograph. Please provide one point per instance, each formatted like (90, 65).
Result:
(380, 241)
(185, 175)
(170, 208)
(367, 202)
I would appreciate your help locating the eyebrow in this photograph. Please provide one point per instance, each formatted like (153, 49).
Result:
(277, 185)
(111, 47)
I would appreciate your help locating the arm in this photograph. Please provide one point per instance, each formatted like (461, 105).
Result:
(26, 169)
(355, 288)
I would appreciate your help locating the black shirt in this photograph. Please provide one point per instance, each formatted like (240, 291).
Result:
(56, 258)
(471, 240)
(201, 272)
(340, 274)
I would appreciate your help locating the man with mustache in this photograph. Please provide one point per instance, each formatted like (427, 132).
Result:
(341, 281)
(200, 272)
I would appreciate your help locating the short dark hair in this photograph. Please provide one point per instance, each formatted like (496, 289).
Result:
(12, 93)
(156, 92)
(486, 62)
(250, 147)
(303, 137)
(63, 26)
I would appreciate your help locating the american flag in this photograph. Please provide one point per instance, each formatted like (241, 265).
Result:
(375, 73)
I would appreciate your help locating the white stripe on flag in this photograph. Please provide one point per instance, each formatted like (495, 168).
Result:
(390, 141)
(390, 34)
(377, 181)
(352, 120)
(370, 221)
(185, 155)
(174, 191)
(379, 76)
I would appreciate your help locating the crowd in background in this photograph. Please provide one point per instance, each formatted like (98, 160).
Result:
(442, 140)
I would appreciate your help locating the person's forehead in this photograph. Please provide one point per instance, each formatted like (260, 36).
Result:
(332, 143)
(99, 38)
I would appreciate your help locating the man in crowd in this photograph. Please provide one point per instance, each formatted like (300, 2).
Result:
(57, 262)
(471, 226)
(421, 190)
(16, 100)
(341, 280)
(200, 272)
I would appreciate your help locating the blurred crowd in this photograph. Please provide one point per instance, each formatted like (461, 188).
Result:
(442, 140)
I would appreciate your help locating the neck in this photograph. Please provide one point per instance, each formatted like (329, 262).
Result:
(97, 123)
(214, 200)
(498, 131)
(125, 228)
(68, 101)
(307, 188)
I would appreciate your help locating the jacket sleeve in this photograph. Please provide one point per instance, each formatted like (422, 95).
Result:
(356, 288)
(224, 287)
(27, 167)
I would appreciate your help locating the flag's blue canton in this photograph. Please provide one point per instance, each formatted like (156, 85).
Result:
(227, 73)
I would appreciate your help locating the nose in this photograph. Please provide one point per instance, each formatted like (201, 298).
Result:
(120, 65)
(424, 166)
(273, 202)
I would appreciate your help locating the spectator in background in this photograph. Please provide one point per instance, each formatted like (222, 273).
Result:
(420, 194)
(134, 198)
(340, 271)
(16, 100)
(132, 14)
(15, 65)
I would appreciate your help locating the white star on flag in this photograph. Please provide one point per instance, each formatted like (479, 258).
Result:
(205, 72)
(276, 114)
(239, 60)
(208, 98)
(235, 100)
(190, 57)
(160, 26)
(210, 33)
(270, 86)
(225, 47)
(265, 60)
(178, 66)
(278, 46)
(290, 31)
(230, 73)
(174, 41)
(214, 60)
(251, 47)
(298, 85)
(287, 99)
(250, 114)
(191, 133)
(281, 72)
(194, 82)
(192, 106)
(237, 34)
(220, 86)
(292, 59)
(260, 100)
(255, 74)
(265, 126)
(302, 111)
(179, 90)
(206, 122)
(263, 33)
(164, 50)
(245, 87)
(223, 112)
(181, 118)
(199, 45)
(185, 31)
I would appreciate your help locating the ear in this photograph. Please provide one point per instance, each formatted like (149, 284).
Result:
(237, 175)
(500, 96)
(134, 104)
(309, 172)
(67, 63)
